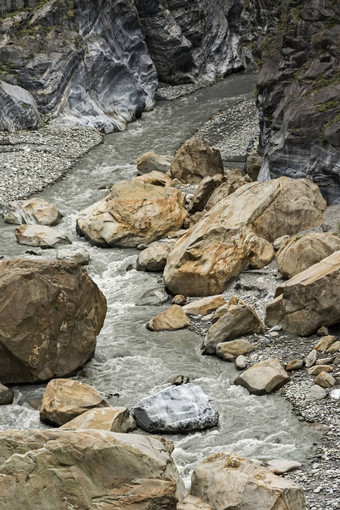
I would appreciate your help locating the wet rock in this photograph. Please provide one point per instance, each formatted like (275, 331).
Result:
(18, 109)
(203, 192)
(155, 178)
(154, 257)
(316, 393)
(325, 343)
(317, 369)
(264, 377)
(151, 161)
(295, 364)
(241, 362)
(51, 315)
(281, 466)
(31, 212)
(179, 379)
(153, 297)
(229, 351)
(6, 395)
(253, 486)
(178, 409)
(114, 419)
(171, 319)
(311, 358)
(204, 306)
(79, 256)
(179, 300)
(44, 237)
(65, 399)
(132, 213)
(325, 380)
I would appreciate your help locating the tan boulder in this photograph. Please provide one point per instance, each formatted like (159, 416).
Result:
(131, 214)
(179, 299)
(192, 503)
(151, 161)
(204, 306)
(264, 377)
(51, 314)
(295, 364)
(195, 160)
(114, 419)
(236, 234)
(324, 343)
(155, 178)
(301, 252)
(234, 180)
(33, 211)
(171, 319)
(229, 351)
(64, 469)
(64, 399)
(203, 192)
(40, 235)
(227, 481)
(334, 348)
(317, 369)
(309, 299)
(240, 319)
(154, 257)
(325, 380)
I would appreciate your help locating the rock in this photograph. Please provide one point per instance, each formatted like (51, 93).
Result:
(281, 466)
(204, 306)
(325, 343)
(153, 297)
(203, 192)
(151, 161)
(264, 377)
(239, 320)
(114, 419)
(154, 257)
(6, 395)
(178, 409)
(311, 358)
(309, 299)
(18, 109)
(79, 256)
(132, 213)
(229, 351)
(323, 331)
(195, 160)
(254, 162)
(179, 300)
(171, 319)
(325, 361)
(316, 393)
(65, 399)
(241, 362)
(33, 211)
(51, 315)
(319, 368)
(179, 379)
(335, 394)
(325, 380)
(301, 252)
(192, 503)
(44, 237)
(253, 486)
(280, 241)
(334, 348)
(84, 468)
(155, 178)
(295, 364)
(236, 232)
(234, 180)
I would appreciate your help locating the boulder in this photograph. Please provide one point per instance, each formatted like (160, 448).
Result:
(79, 256)
(18, 109)
(65, 399)
(153, 297)
(171, 319)
(309, 299)
(240, 319)
(195, 160)
(86, 469)
(155, 178)
(204, 306)
(334, 348)
(325, 380)
(151, 161)
(32, 212)
(324, 343)
(229, 351)
(178, 409)
(6, 395)
(131, 214)
(192, 503)
(203, 192)
(301, 252)
(51, 315)
(227, 481)
(154, 257)
(264, 377)
(236, 234)
(42, 236)
(234, 180)
(114, 419)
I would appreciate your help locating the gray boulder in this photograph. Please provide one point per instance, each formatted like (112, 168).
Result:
(18, 109)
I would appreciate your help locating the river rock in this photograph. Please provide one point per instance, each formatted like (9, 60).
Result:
(335, 347)
(204, 306)
(281, 466)
(324, 343)
(325, 380)
(86, 469)
(203, 192)
(317, 369)
(195, 160)
(64, 399)
(178, 409)
(264, 377)
(151, 161)
(153, 297)
(154, 257)
(6, 395)
(311, 358)
(227, 481)
(131, 214)
(229, 351)
(295, 364)
(79, 256)
(18, 109)
(171, 319)
(114, 419)
(234, 180)
(179, 299)
(323, 331)
(155, 178)
(39, 235)
(240, 319)
(236, 234)
(309, 299)
(33, 211)
(192, 503)
(51, 315)
(316, 393)
(301, 252)
(241, 362)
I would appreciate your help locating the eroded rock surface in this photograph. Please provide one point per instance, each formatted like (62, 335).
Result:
(33, 211)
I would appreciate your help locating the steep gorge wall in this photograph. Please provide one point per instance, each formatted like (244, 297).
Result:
(8, 6)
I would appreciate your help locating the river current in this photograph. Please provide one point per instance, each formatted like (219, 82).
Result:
(132, 362)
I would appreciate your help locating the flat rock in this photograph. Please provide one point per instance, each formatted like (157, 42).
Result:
(6, 395)
(171, 319)
(79, 256)
(281, 466)
(34, 211)
(325, 380)
(204, 306)
(114, 419)
(178, 409)
(40, 235)
(229, 351)
(264, 377)
(150, 161)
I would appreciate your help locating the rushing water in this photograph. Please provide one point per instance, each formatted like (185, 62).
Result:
(132, 362)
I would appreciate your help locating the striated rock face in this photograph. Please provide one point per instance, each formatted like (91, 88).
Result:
(18, 108)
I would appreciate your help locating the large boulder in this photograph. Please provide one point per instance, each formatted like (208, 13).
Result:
(131, 214)
(51, 314)
(114, 419)
(18, 109)
(308, 300)
(178, 409)
(236, 234)
(41, 236)
(300, 252)
(32, 211)
(86, 469)
(227, 481)
(65, 399)
(264, 377)
(195, 160)
(151, 161)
